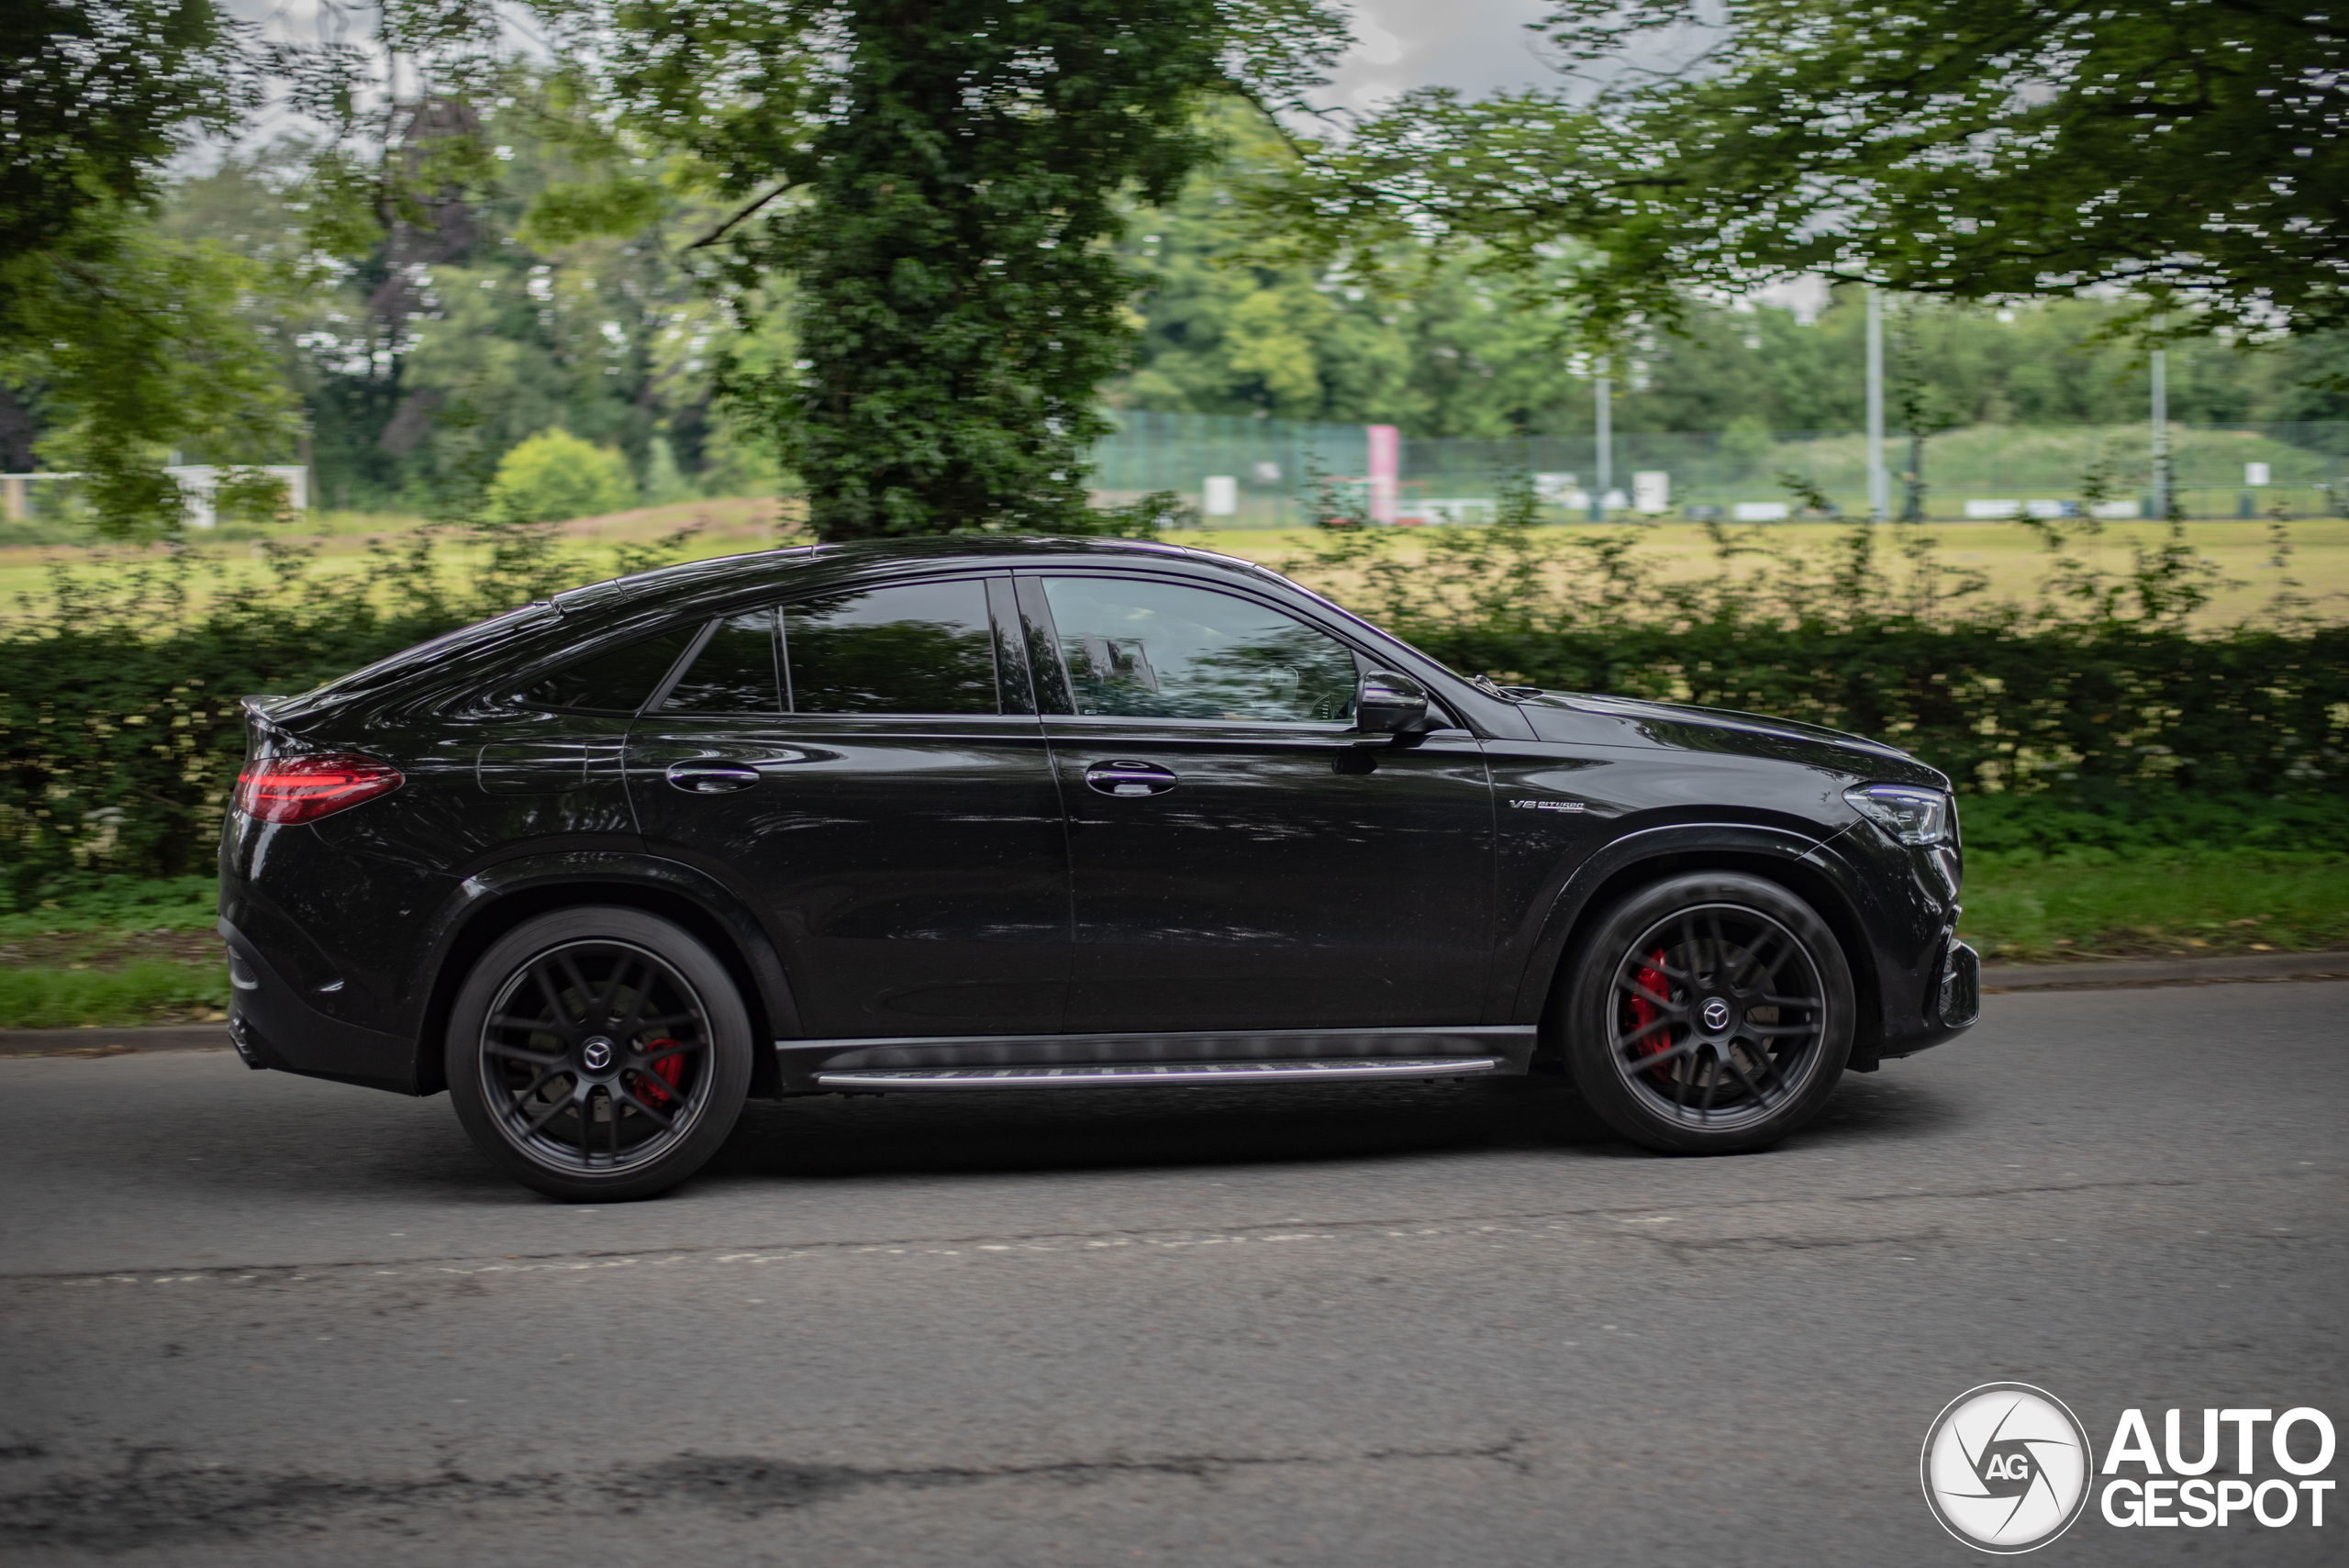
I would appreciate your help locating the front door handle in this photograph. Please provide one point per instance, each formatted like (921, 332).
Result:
(1130, 778)
(710, 778)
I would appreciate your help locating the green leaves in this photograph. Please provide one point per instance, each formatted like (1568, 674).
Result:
(1971, 149)
(568, 210)
(555, 476)
(100, 94)
(138, 341)
(943, 183)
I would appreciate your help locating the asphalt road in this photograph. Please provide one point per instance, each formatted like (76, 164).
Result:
(254, 1320)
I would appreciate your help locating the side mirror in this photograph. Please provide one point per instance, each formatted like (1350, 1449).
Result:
(1390, 704)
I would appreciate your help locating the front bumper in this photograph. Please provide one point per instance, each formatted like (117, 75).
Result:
(1957, 1000)
(1953, 1004)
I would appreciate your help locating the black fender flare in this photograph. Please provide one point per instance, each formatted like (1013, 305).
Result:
(518, 887)
(1691, 841)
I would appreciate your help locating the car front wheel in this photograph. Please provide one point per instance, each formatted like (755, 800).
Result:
(1709, 1013)
(598, 1054)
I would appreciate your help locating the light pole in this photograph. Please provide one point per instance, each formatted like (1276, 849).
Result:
(1879, 481)
(2161, 434)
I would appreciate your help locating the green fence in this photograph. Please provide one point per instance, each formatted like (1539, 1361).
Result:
(1974, 471)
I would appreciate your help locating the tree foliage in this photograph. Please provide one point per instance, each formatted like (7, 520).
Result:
(943, 181)
(2192, 154)
(125, 340)
(100, 94)
(1475, 350)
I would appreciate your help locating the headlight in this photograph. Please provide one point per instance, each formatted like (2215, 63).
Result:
(1911, 814)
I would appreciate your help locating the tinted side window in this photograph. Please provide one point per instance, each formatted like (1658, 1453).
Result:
(915, 648)
(1162, 649)
(734, 671)
(616, 682)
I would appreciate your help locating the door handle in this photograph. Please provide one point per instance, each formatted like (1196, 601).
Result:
(710, 778)
(1130, 778)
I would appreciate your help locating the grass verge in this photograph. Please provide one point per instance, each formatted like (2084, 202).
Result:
(114, 951)
(2021, 906)
(130, 952)
(144, 991)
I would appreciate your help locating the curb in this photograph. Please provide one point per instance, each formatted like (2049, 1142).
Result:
(120, 1041)
(2111, 974)
(1997, 979)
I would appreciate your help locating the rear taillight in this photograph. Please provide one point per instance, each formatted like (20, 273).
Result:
(303, 789)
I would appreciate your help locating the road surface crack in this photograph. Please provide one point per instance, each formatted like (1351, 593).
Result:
(144, 1505)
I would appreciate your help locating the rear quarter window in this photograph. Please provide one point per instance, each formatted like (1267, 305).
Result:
(618, 680)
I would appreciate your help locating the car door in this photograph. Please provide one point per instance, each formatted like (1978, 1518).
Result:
(866, 765)
(1239, 857)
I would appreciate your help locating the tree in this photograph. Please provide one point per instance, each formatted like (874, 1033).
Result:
(943, 182)
(100, 95)
(125, 340)
(2191, 154)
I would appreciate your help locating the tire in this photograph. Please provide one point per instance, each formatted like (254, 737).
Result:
(598, 1054)
(1709, 1013)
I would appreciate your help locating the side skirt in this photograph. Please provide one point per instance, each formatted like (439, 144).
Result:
(1111, 1060)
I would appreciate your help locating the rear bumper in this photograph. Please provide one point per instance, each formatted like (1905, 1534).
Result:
(274, 1025)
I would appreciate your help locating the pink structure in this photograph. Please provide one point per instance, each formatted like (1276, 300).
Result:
(1386, 471)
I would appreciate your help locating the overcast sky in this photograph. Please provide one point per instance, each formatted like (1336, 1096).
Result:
(1478, 46)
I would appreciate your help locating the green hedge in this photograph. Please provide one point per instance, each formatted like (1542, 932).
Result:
(2100, 687)
(1996, 704)
(2101, 700)
(120, 730)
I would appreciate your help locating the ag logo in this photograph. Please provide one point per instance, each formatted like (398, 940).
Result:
(2006, 1467)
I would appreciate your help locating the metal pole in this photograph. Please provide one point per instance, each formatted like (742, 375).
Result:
(2161, 434)
(1606, 435)
(1879, 481)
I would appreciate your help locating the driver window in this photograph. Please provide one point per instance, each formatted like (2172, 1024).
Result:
(1165, 651)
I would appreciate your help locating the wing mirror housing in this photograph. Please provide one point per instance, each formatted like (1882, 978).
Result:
(1390, 704)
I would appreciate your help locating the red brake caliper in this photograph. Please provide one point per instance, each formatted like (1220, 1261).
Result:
(669, 1069)
(1644, 1012)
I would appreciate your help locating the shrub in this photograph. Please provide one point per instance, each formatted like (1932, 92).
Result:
(554, 475)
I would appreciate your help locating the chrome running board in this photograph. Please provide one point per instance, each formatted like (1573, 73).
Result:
(1112, 1075)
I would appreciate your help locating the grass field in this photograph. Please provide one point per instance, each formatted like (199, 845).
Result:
(728, 525)
(2007, 554)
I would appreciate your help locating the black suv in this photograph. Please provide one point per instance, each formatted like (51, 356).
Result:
(1030, 814)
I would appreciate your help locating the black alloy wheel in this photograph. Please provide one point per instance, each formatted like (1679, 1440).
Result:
(598, 1054)
(1712, 1013)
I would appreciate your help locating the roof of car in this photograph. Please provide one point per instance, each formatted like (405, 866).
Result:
(760, 566)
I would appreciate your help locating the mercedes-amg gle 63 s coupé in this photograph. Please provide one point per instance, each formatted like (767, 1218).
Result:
(958, 815)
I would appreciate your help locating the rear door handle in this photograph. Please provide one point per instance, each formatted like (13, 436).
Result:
(710, 778)
(1130, 778)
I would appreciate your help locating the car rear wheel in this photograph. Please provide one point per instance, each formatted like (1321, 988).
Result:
(598, 1054)
(1710, 1014)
